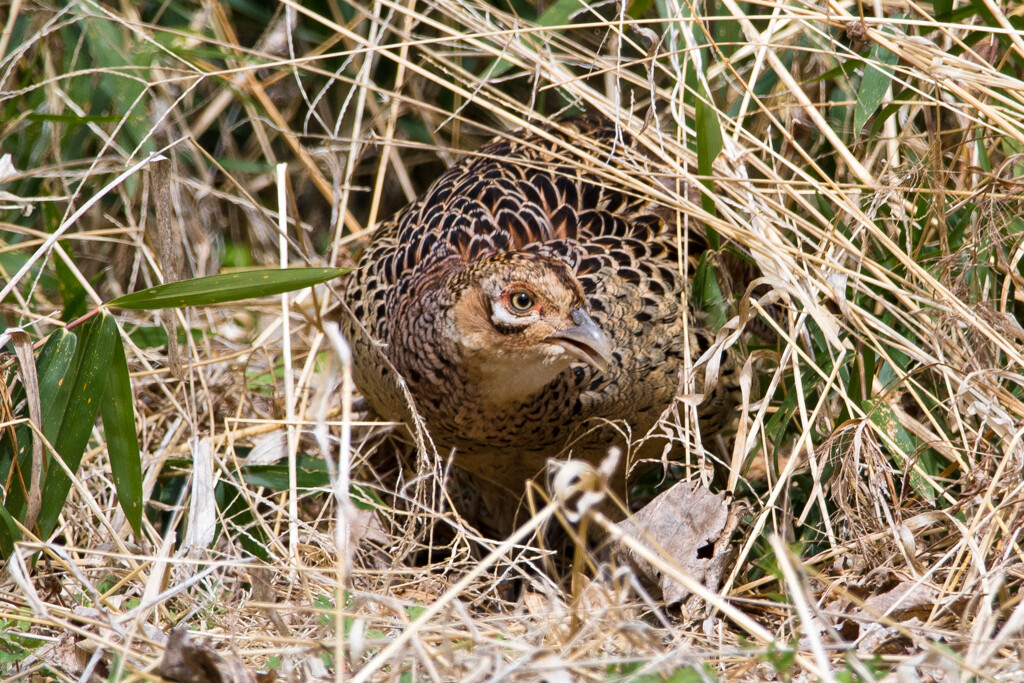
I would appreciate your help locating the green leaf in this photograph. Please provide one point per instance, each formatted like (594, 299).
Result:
(843, 69)
(73, 119)
(686, 675)
(52, 367)
(155, 336)
(864, 366)
(885, 419)
(311, 473)
(873, 85)
(707, 294)
(364, 498)
(53, 363)
(10, 532)
(236, 511)
(308, 475)
(884, 114)
(415, 611)
(72, 293)
(122, 443)
(149, 336)
(638, 8)
(87, 379)
(709, 144)
(217, 289)
(117, 77)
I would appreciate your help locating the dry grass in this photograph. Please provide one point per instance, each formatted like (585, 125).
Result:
(883, 538)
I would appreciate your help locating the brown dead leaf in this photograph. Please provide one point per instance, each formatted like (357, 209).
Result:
(906, 599)
(185, 661)
(692, 527)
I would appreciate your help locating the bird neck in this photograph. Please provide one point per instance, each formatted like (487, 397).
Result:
(504, 382)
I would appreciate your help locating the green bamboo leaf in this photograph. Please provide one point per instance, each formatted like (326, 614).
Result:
(218, 289)
(312, 473)
(885, 419)
(87, 380)
(9, 532)
(52, 366)
(118, 415)
(845, 68)
(873, 85)
(309, 475)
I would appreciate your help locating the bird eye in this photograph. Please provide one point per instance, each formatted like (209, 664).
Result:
(521, 302)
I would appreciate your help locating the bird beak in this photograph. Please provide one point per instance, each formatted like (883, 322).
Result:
(585, 341)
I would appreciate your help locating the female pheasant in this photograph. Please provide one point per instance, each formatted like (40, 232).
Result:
(530, 310)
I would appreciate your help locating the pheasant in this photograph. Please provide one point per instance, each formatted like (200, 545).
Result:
(528, 309)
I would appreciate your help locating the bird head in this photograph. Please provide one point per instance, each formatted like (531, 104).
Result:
(519, 320)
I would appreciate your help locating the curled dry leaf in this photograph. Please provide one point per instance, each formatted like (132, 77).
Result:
(690, 526)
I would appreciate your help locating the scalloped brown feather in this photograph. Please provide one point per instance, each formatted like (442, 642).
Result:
(525, 194)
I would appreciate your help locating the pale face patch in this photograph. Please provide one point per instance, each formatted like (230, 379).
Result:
(505, 324)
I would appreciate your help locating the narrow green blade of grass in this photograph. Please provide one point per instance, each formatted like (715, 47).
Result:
(88, 381)
(73, 119)
(709, 144)
(218, 289)
(118, 415)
